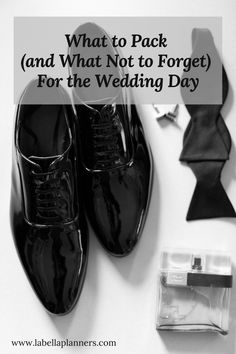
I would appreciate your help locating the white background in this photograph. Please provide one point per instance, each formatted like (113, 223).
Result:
(118, 301)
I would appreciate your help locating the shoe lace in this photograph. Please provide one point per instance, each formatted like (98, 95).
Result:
(106, 135)
(51, 200)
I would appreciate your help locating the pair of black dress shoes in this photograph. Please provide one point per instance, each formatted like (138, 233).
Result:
(67, 165)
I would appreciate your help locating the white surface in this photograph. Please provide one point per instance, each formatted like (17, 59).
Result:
(118, 301)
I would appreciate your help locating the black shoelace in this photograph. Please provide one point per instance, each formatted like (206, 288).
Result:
(52, 204)
(106, 137)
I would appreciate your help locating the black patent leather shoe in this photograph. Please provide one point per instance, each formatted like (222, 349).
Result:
(48, 226)
(116, 159)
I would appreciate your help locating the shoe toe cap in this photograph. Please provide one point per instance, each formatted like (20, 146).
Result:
(119, 222)
(55, 263)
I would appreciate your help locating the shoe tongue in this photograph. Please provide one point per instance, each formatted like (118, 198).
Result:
(106, 114)
(44, 163)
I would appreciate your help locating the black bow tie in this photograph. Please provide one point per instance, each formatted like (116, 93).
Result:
(207, 143)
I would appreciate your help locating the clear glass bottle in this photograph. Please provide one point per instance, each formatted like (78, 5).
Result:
(194, 292)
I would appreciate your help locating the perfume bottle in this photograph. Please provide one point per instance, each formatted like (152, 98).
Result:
(194, 292)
